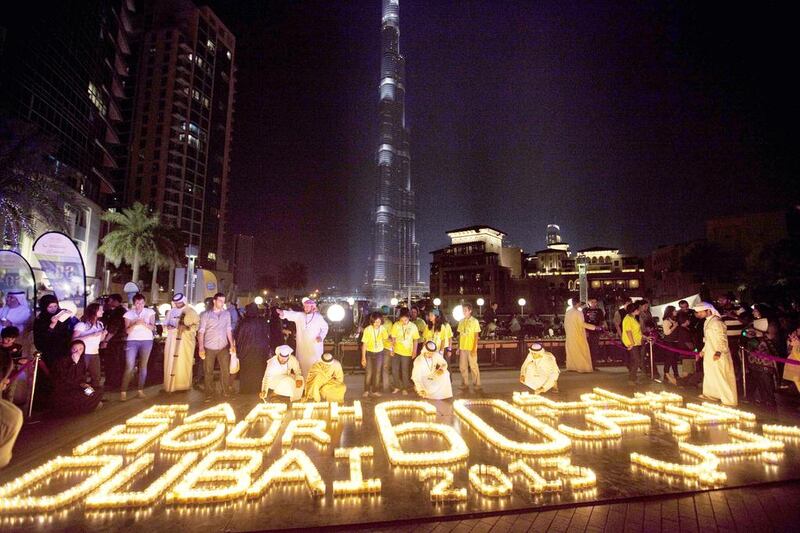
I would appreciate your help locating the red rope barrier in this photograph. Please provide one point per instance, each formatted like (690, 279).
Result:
(768, 357)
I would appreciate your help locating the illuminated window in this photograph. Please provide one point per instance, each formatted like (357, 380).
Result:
(212, 256)
(97, 99)
(634, 284)
(210, 44)
(595, 284)
(228, 55)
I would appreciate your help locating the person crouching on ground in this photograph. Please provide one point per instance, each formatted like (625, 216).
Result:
(540, 371)
(282, 379)
(430, 375)
(326, 381)
(73, 396)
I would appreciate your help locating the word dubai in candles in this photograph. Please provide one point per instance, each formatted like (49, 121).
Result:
(210, 458)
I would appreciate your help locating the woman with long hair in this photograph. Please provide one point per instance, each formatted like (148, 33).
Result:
(92, 332)
(668, 321)
(670, 325)
(438, 331)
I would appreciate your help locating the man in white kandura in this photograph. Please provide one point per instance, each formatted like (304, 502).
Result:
(17, 312)
(430, 375)
(579, 358)
(311, 331)
(282, 376)
(719, 379)
(182, 324)
(540, 371)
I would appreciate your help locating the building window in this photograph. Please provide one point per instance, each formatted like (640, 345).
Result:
(97, 99)
(212, 256)
(634, 284)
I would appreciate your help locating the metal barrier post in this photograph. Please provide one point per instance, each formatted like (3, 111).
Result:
(652, 366)
(744, 371)
(36, 357)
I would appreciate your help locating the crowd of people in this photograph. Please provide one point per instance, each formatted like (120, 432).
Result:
(85, 358)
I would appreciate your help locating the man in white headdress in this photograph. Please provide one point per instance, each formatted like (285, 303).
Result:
(719, 379)
(430, 375)
(325, 381)
(17, 312)
(311, 331)
(540, 371)
(282, 376)
(182, 324)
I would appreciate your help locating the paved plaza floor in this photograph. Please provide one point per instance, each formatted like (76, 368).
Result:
(756, 489)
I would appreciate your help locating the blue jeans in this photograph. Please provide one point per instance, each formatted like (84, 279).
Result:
(372, 379)
(401, 372)
(133, 349)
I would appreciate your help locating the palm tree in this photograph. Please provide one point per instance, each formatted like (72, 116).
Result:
(132, 238)
(169, 242)
(30, 190)
(293, 275)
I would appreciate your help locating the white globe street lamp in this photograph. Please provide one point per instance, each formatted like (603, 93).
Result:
(259, 300)
(458, 313)
(437, 302)
(394, 302)
(522, 303)
(163, 309)
(335, 313)
(480, 302)
(351, 301)
(200, 308)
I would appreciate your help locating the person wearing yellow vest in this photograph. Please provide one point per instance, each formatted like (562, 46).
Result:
(632, 339)
(405, 337)
(468, 330)
(374, 340)
(438, 331)
(386, 373)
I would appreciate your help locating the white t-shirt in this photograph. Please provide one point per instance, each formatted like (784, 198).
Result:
(140, 332)
(89, 335)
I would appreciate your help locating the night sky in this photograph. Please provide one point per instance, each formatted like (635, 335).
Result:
(627, 125)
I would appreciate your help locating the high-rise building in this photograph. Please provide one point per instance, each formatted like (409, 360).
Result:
(64, 67)
(241, 254)
(182, 122)
(394, 265)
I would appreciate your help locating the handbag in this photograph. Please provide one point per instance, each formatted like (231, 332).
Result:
(234, 366)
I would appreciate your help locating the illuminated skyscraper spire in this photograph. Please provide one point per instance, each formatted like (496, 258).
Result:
(395, 253)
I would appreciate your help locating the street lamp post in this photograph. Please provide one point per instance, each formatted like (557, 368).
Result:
(521, 303)
(480, 302)
(191, 254)
(335, 314)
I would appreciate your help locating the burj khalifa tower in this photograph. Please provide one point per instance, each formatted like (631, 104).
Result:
(394, 262)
